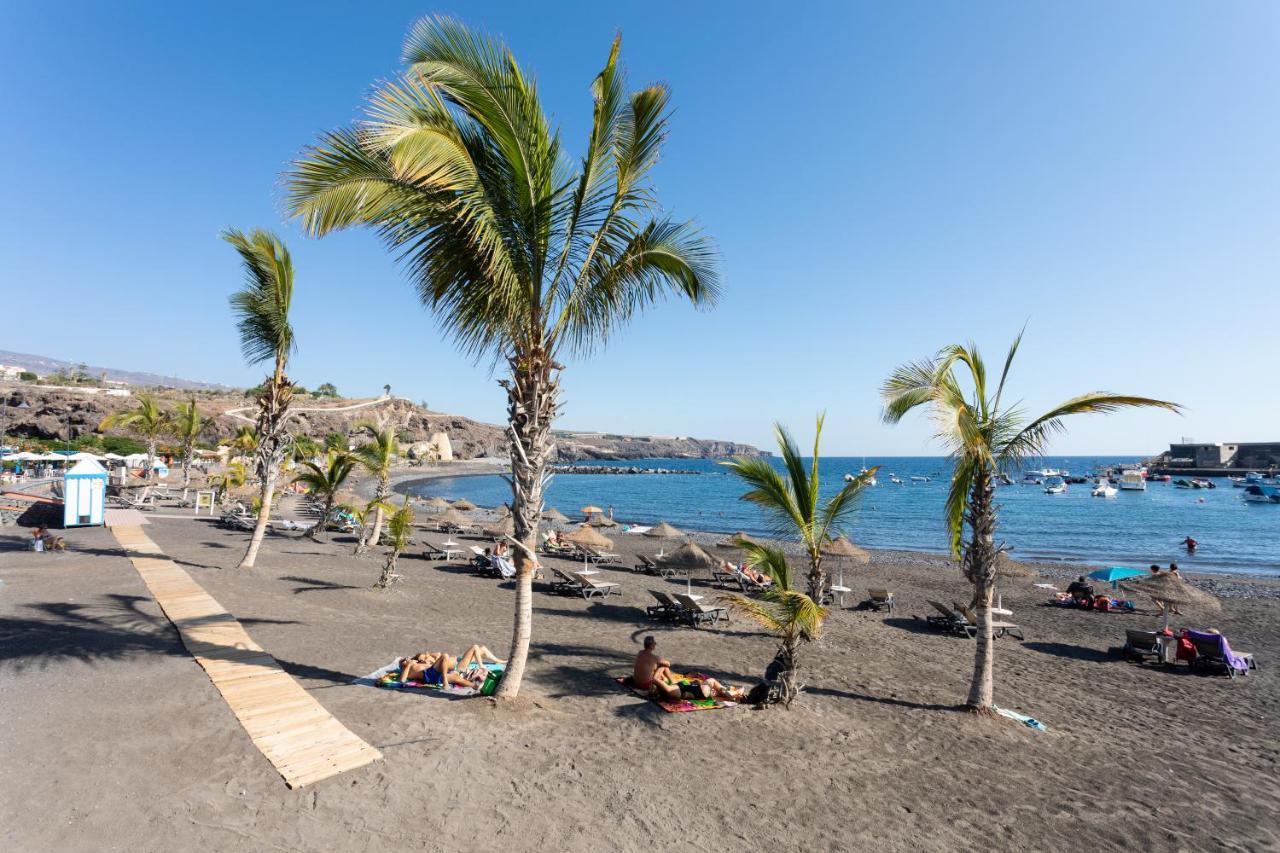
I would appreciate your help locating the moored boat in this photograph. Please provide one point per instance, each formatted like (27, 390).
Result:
(1133, 480)
(1054, 486)
(1262, 494)
(1104, 489)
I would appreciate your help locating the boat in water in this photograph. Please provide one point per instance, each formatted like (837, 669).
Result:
(1260, 494)
(1054, 486)
(1133, 480)
(895, 479)
(1253, 478)
(1004, 479)
(1104, 489)
(919, 479)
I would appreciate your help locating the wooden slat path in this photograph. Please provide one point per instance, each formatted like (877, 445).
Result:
(294, 731)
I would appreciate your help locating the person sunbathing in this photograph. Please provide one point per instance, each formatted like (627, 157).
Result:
(756, 577)
(653, 673)
(443, 669)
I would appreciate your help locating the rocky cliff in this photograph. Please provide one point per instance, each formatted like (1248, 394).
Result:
(52, 412)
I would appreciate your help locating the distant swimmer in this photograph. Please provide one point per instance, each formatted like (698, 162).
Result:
(1190, 544)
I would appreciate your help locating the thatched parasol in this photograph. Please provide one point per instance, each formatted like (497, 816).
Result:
(603, 521)
(554, 514)
(452, 516)
(464, 505)
(586, 536)
(843, 548)
(1172, 590)
(732, 541)
(662, 530)
(505, 527)
(437, 503)
(688, 558)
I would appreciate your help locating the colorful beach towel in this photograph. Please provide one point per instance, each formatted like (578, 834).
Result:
(388, 678)
(1030, 722)
(677, 706)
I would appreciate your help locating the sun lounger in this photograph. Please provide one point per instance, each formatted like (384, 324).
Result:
(698, 613)
(600, 557)
(1213, 650)
(879, 599)
(653, 568)
(432, 551)
(666, 610)
(564, 584)
(998, 629)
(947, 620)
(592, 587)
(1141, 645)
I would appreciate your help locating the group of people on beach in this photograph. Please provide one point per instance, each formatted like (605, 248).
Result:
(441, 669)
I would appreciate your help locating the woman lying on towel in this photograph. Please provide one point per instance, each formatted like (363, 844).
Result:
(443, 669)
(670, 686)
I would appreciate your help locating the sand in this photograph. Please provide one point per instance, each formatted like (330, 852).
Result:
(114, 739)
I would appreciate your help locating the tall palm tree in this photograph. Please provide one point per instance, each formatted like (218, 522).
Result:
(985, 436)
(792, 502)
(147, 421)
(524, 257)
(399, 530)
(325, 481)
(261, 309)
(187, 424)
(377, 456)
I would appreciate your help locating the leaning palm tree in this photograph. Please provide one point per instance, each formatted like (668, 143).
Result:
(792, 616)
(261, 308)
(985, 437)
(187, 423)
(148, 421)
(791, 501)
(377, 456)
(325, 481)
(399, 530)
(524, 257)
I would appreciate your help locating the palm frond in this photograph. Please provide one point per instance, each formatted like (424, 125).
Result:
(262, 305)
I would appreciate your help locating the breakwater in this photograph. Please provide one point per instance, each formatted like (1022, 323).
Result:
(617, 469)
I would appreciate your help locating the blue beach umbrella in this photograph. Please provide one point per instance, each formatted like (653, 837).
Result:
(1113, 574)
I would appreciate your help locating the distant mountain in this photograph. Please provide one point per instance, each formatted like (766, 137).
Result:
(43, 365)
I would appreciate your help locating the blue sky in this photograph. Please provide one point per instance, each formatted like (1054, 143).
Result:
(881, 179)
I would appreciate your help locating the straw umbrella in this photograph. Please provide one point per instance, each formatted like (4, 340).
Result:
(505, 527)
(453, 517)
(845, 551)
(662, 530)
(688, 558)
(584, 535)
(732, 541)
(464, 505)
(554, 515)
(603, 521)
(437, 503)
(1170, 589)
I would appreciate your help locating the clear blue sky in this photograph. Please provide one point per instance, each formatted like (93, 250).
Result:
(881, 179)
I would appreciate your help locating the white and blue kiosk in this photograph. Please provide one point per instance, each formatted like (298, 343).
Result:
(84, 494)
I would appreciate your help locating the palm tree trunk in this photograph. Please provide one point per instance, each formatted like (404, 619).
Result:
(980, 566)
(817, 580)
(389, 575)
(273, 406)
(370, 535)
(789, 676)
(186, 464)
(151, 459)
(532, 397)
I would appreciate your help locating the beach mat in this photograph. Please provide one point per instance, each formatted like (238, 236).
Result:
(678, 706)
(386, 678)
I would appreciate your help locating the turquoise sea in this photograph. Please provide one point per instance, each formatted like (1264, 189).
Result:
(1134, 528)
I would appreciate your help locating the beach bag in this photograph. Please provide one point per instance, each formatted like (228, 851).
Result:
(490, 683)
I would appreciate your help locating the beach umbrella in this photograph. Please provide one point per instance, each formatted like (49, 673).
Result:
(464, 505)
(554, 514)
(453, 517)
(586, 536)
(664, 531)
(841, 547)
(1171, 590)
(1114, 574)
(437, 503)
(591, 510)
(732, 541)
(603, 521)
(688, 558)
(505, 527)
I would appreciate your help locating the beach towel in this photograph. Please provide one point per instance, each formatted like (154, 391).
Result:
(676, 706)
(1021, 718)
(388, 678)
(1233, 660)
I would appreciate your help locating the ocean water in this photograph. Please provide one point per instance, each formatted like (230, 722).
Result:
(1134, 528)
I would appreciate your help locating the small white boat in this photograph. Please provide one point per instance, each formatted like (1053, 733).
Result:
(1262, 494)
(919, 479)
(895, 479)
(1055, 486)
(1133, 481)
(1104, 489)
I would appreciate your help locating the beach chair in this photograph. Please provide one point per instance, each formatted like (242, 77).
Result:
(146, 500)
(590, 587)
(698, 613)
(1213, 650)
(653, 568)
(564, 583)
(1141, 645)
(998, 629)
(666, 610)
(879, 599)
(947, 620)
(599, 557)
(432, 551)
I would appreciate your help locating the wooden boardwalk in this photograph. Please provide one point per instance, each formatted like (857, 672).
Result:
(294, 731)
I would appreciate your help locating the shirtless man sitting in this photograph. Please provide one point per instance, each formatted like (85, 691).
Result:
(653, 673)
(443, 669)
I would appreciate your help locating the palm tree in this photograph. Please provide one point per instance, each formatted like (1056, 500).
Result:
(233, 477)
(399, 529)
(187, 424)
(522, 256)
(377, 456)
(792, 502)
(245, 440)
(985, 436)
(261, 308)
(325, 481)
(148, 421)
(305, 447)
